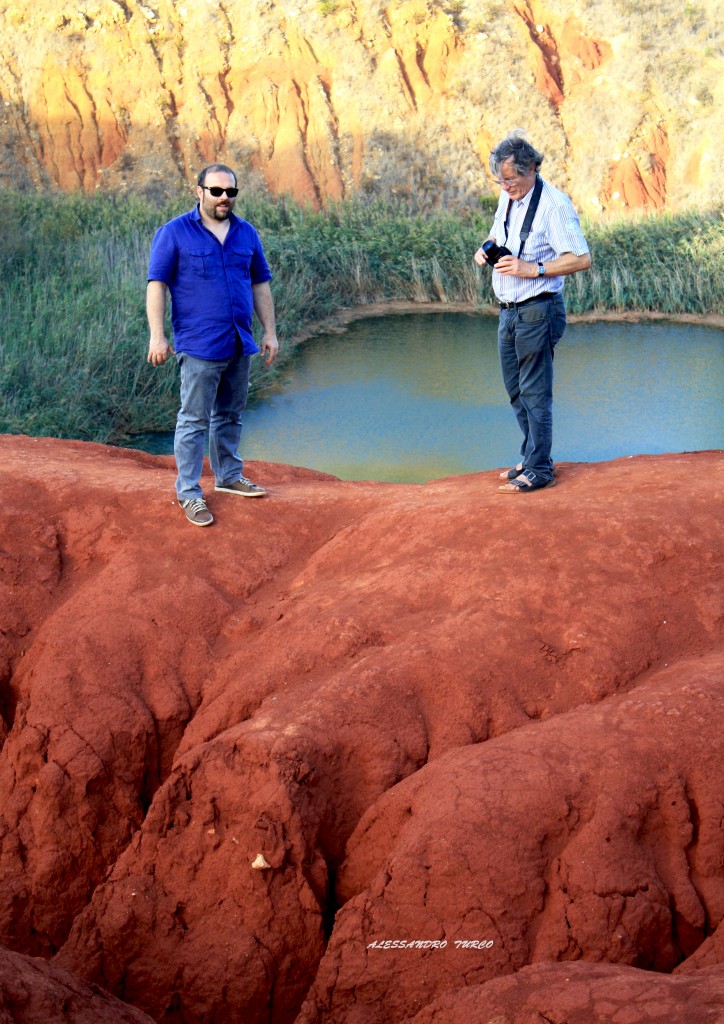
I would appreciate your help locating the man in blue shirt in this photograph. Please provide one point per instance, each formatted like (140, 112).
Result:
(528, 283)
(213, 264)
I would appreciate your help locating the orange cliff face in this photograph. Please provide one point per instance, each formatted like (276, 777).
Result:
(322, 99)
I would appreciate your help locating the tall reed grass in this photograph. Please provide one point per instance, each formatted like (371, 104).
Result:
(73, 276)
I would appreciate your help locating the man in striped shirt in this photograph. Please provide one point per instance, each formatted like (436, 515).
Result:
(529, 286)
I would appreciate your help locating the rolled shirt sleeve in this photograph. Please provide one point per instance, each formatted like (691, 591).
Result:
(563, 232)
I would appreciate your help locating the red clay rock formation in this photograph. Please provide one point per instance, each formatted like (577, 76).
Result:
(709, 954)
(575, 838)
(592, 53)
(581, 993)
(544, 50)
(640, 182)
(35, 992)
(236, 756)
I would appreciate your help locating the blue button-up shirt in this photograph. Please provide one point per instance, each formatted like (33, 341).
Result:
(210, 283)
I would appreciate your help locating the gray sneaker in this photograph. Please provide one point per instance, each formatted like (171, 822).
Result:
(197, 512)
(242, 486)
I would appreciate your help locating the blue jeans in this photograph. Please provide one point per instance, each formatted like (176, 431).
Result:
(213, 398)
(526, 339)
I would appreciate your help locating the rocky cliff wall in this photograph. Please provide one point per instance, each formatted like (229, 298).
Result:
(321, 98)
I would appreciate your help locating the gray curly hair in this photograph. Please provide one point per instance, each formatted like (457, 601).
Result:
(515, 145)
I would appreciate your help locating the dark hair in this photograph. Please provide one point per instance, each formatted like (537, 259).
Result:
(515, 145)
(221, 168)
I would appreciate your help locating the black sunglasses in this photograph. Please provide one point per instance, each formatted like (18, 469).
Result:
(215, 191)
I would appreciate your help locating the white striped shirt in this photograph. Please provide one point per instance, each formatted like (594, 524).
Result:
(556, 229)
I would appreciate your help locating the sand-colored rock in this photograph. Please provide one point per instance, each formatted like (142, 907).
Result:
(324, 99)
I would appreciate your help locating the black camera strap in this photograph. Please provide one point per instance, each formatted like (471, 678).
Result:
(529, 214)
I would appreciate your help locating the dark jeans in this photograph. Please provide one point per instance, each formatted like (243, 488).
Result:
(526, 339)
(213, 398)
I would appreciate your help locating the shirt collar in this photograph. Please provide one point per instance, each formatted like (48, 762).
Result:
(523, 203)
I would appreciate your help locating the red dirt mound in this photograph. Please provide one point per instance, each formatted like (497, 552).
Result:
(591, 836)
(213, 736)
(35, 992)
(582, 993)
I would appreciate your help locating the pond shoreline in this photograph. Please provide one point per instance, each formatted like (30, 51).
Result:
(338, 321)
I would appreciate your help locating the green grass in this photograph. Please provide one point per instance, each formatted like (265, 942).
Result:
(73, 276)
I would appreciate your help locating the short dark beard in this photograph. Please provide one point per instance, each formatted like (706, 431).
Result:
(214, 212)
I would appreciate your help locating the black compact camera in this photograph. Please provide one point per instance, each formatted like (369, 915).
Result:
(494, 252)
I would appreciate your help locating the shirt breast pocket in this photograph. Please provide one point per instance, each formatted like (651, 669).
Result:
(200, 261)
(240, 259)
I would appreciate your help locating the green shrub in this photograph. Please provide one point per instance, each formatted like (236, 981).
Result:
(73, 278)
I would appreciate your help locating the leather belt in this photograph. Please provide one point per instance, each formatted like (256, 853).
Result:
(543, 297)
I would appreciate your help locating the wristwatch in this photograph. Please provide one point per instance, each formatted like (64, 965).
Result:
(541, 270)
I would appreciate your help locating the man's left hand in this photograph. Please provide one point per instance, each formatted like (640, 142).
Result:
(269, 348)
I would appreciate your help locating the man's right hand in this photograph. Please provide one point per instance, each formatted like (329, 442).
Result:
(159, 350)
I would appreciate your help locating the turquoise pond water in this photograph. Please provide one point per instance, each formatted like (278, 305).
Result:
(413, 398)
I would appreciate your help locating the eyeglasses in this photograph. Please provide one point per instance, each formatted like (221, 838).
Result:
(505, 182)
(215, 191)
